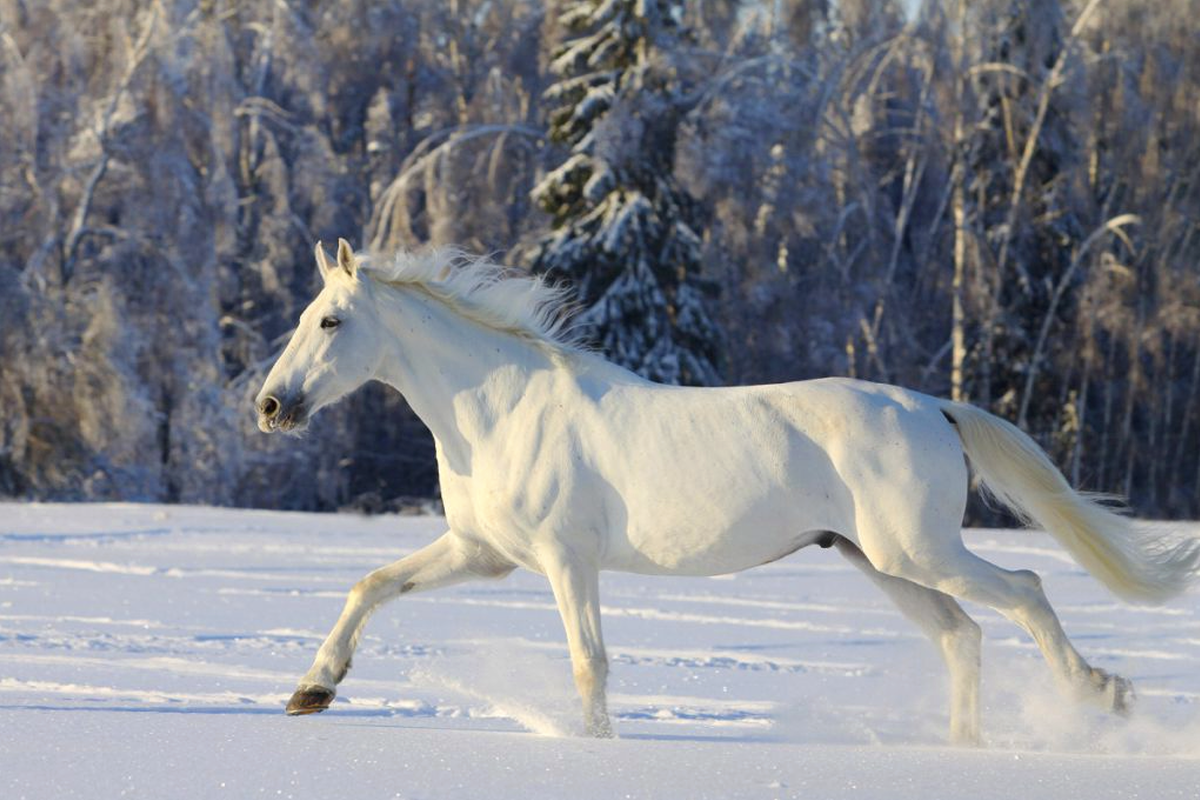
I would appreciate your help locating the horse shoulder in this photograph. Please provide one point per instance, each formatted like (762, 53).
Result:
(523, 479)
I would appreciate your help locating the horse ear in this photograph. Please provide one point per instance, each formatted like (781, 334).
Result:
(322, 262)
(346, 258)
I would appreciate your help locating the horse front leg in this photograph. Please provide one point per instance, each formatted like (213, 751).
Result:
(447, 561)
(576, 587)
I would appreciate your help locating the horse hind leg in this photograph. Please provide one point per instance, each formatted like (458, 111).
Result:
(956, 636)
(1018, 595)
(1032, 611)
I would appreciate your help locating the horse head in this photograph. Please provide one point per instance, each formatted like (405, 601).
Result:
(334, 350)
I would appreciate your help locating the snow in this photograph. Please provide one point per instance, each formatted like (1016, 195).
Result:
(147, 651)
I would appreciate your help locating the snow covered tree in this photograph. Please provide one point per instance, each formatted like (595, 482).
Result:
(625, 232)
(994, 199)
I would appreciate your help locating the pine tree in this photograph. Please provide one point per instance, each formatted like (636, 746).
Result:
(624, 230)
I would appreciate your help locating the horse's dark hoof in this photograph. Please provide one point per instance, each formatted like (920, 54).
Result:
(311, 700)
(1123, 696)
(1112, 692)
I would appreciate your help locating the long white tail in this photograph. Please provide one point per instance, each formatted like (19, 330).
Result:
(1136, 565)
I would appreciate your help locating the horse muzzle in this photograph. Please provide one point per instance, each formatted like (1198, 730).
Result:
(274, 414)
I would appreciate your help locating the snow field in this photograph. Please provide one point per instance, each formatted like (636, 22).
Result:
(147, 651)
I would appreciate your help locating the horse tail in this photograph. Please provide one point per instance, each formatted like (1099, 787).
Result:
(1137, 565)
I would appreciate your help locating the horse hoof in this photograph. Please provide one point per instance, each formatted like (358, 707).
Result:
(601, 730)
(966, 738)
(1123, 695)
(312, 700)
(1112, 692)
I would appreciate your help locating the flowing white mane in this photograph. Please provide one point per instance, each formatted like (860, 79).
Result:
(483, 291)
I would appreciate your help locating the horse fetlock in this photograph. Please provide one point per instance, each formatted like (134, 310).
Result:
(330, 666)
(591, 674)
(309, 700)
(596, 668)
(965, 734)
(1121, 695)
(1111, 692)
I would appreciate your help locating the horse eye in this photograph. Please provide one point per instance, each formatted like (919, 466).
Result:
(330, 322)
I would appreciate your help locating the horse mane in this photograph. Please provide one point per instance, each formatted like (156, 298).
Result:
(491, 294)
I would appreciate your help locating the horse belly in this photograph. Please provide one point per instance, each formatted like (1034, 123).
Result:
(682, 531)
(697, 551)
(718, 488)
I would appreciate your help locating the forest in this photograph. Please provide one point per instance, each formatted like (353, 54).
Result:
(996, 201)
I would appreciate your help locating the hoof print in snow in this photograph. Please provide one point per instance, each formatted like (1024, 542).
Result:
(312, 700)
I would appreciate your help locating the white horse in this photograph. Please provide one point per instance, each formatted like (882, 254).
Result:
(553, 459)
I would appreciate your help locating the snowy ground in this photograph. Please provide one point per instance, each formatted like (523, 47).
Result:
(147, 651)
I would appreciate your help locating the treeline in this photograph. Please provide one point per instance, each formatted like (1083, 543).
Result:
(996, 200)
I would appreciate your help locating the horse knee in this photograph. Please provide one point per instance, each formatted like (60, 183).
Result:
(360, 591)
(367, 590)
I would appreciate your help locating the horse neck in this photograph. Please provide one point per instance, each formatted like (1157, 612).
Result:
(456, 374)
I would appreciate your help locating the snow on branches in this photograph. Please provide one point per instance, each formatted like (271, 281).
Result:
(624, 230)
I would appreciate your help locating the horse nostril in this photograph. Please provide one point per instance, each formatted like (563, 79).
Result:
(269, 407)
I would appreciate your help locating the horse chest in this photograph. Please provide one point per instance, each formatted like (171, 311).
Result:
(514, 502)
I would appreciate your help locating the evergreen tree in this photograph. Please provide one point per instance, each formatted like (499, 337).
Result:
(624, 230)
